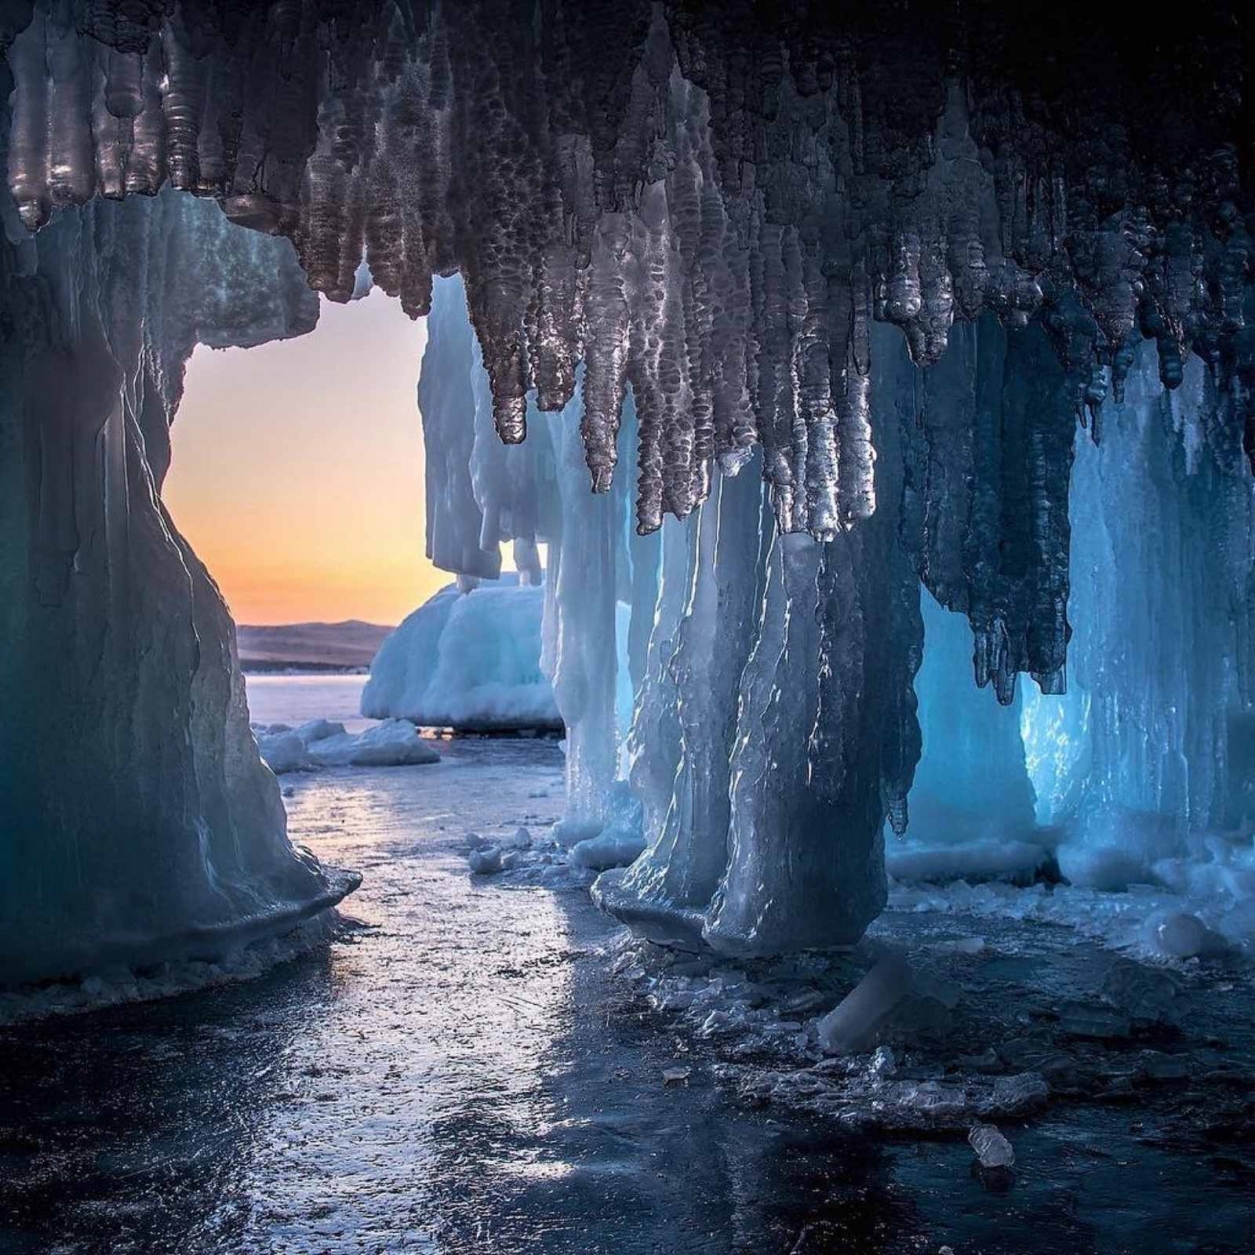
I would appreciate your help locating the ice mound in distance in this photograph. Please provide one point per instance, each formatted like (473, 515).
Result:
(320, 743)
(469, 661)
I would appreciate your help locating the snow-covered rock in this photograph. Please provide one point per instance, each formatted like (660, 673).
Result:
(469, 661)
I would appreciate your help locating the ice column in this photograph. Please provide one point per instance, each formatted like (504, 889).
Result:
(693, 692)
(826, 737)
(139, 823)
(580, 654)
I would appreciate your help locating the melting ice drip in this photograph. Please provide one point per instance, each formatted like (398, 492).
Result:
(722, 222)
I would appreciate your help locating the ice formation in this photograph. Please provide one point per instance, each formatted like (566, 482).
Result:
(834, 288)
(468, 660)
(139, 824)
(322, 743)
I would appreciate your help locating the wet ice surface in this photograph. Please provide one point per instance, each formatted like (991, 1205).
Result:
(463, 1071)
(295, 699)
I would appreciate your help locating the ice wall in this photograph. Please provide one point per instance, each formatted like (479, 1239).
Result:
(1146, 762)
(972, 782)
(138, 822)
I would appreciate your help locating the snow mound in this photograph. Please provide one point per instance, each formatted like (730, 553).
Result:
(469, 661)
(320, 743)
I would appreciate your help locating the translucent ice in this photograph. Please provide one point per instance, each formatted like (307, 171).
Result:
(991, 1148)
(853, 1025)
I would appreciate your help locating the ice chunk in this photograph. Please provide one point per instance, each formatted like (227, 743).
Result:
(393, 743)
(883, 1063)
(485, 861)
(1083, 1019)
(1108, 867)
(284, 752)
(992, 1149)
(319, 743)
(853, 1025)
(469, 661)
(1144, 992)
(973, 861)
(612, 847)
(1182, 936)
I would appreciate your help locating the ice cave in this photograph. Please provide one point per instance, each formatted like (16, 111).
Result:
(862, 400)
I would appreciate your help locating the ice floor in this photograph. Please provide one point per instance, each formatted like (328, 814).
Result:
(463, 1071)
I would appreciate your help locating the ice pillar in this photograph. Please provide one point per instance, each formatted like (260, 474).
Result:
(137, 823)
(694, 693)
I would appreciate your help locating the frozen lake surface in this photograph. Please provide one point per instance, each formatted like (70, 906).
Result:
(296, 699)
(461, 1072)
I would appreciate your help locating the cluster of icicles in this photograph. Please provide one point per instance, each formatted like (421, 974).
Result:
(721, 249)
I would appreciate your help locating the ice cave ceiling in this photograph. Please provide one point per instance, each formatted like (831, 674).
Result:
(715, 225)
(708, 203)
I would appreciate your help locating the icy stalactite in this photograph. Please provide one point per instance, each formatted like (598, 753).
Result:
(140, 823)
(988, 464)
(826, 739)
(446, 401)
(712, 209)
(580, 653)
(683, 776)
(653, 740)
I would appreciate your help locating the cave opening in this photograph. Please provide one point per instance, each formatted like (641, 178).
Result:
(877, 402)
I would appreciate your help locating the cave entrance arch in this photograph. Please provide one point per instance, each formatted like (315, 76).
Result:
(748, 226)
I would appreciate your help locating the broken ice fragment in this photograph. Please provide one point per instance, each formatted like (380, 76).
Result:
(1078, 1019)
(520, 840)
(883, 1062)
(853, 1025)
(485, 862)
(992, 1149)
(675, 1076)
(1182, 936)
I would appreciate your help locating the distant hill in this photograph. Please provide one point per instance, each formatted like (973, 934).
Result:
(347, 646)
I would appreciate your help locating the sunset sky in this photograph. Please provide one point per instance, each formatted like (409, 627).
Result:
(298, 470)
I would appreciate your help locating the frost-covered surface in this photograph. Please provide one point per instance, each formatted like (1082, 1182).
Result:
(939, 1022)
(322, 743)
(117, 984)
(563, 854)
(468, 660)
(1214, 911)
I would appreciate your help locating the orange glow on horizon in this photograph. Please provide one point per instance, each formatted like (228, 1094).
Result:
(297, 470)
